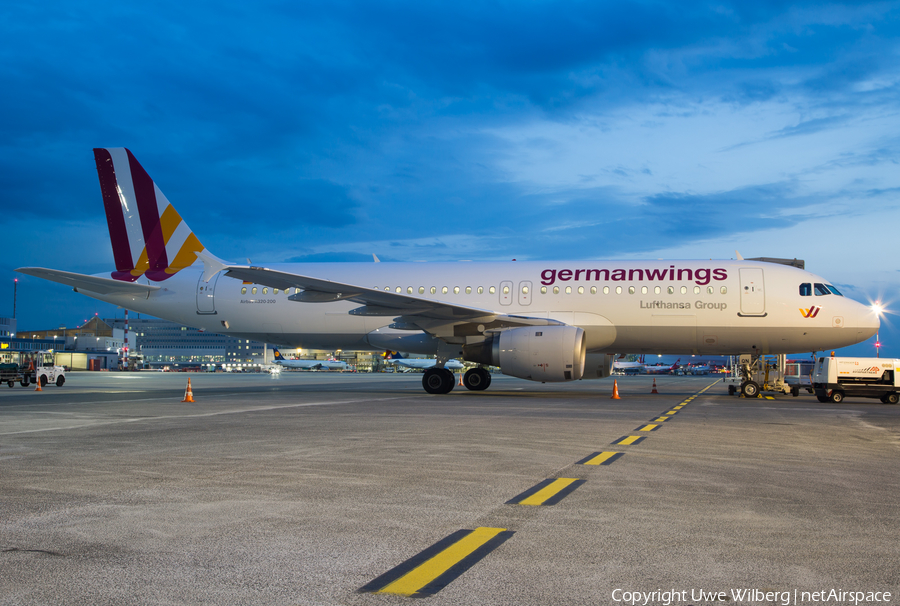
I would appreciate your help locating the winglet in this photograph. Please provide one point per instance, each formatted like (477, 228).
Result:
(739, 257)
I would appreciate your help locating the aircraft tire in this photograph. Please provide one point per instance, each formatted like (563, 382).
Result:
(438, 380)
(477, 379)
(750, 389)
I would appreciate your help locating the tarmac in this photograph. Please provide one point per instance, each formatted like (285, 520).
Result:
(361, 489)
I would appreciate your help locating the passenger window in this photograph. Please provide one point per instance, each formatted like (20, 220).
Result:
(710, 289)
(543, 290)
(631, 290)
(568, 290)
(618, 290)
(643, 290)
(492, 289)
(421, 290)
(506, 290)
(409, 290)
(724, 290)
(444, 290)
(696, 290)
(581, 290)
(806, 289)
(387, 289)
(254, 290)
(265, 291)
(481, 290)
(524, 290)
(684, 290)
(606, 290)
(671, 290)
(593, 290)
(657, 290)
(274, 291)
(244, 291)
(821, 290)
(433, 290)
(456, 290)
(468, 290)
(556, 290)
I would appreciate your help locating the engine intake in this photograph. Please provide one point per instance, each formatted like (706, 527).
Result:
(536, 353)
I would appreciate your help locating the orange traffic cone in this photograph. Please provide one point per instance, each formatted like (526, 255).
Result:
(460, 384)
(654, 386)
(188, 394)
(37, 382)
(615, 395)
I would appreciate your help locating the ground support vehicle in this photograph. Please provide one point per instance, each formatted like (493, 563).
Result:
(753, 374)
(26, 368)
(837, 378)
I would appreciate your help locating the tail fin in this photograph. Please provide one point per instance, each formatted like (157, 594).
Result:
(278, 355)
(391, 355)
(147, 233)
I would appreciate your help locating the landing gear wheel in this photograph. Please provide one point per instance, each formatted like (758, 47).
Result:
(750, 389)
(438, 380)
(477, 379)
(837, 396)
(60, 380)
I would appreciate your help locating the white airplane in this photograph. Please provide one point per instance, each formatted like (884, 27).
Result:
(309, 364)
(629, 368)
(542, 321)
(395, 359)
(662, 370)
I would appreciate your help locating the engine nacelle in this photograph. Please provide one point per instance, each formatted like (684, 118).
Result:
(536, 353)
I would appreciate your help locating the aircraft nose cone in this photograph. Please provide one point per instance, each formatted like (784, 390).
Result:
(868, 322)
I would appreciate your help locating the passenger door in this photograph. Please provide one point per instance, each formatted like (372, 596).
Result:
(753, 296)
(206, 295)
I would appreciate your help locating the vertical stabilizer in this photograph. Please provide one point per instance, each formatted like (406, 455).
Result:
(148, 235)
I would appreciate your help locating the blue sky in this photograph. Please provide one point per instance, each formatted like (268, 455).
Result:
(448, 131)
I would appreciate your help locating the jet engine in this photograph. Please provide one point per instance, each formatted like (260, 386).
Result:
(537, 353)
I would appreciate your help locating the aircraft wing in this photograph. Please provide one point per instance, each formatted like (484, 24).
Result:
(409, 309)
(96, 284)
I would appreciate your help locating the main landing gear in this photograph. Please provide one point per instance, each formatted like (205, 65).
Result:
(440, 380)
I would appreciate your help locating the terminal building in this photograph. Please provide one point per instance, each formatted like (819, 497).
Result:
(100, 344)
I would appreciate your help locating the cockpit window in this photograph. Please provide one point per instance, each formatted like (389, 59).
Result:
(806, 290)
(821, 289)
(834, 290)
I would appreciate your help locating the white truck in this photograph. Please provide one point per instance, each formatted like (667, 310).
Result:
(837, 378)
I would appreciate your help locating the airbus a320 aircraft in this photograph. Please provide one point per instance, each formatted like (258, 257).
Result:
(541, 321)
(331, 364)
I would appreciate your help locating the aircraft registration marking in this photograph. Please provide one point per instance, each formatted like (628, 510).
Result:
(434, 568)
(601, 458)
(629, 440)
(548, 492)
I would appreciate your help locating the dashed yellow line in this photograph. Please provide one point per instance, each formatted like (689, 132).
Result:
(432, 569)
(601, 458)
(548, 492)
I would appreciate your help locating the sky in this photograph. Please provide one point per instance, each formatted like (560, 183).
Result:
(441, 131)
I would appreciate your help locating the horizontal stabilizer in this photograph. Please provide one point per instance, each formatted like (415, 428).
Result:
(102, 286)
